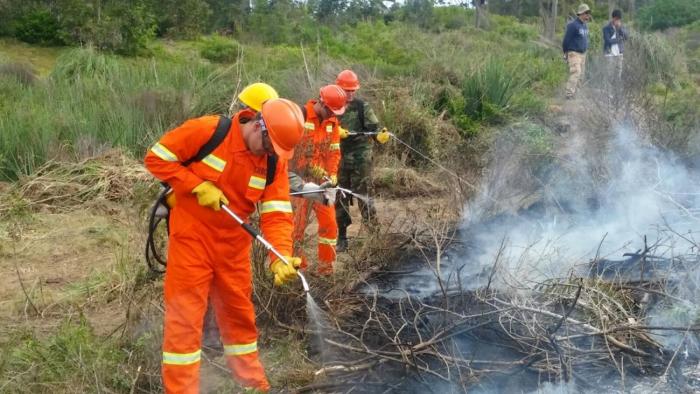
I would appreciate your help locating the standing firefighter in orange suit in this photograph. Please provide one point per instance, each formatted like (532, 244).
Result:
(317, 160)
(208, 252)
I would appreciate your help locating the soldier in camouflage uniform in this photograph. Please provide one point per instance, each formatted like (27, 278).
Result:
(359, 125)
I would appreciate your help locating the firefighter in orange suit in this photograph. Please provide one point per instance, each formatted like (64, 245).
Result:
(317, 159)
(208, 252)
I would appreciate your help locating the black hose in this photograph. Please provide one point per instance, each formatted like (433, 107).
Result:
(156, 262)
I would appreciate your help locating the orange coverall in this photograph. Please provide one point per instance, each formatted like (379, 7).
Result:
(209, 253)
(320, 146)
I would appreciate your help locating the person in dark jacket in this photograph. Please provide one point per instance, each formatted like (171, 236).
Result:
(614, 35)
(575, 45)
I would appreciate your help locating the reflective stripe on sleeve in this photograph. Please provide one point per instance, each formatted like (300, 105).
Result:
(164, 153)
(214, 162)
(335, 146)
(276, 206)
(329, 128)
(309, 126)
(239, 350)
(257, 182)
(181, 358)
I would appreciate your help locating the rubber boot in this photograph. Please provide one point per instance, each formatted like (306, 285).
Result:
(342, 243)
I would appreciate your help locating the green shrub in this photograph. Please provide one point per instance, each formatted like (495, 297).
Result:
(84, 63)
(662, 14)
(488, 92)
(125, 29)
(73, 359)
(39, 26)
(219, 49)
(510, 27)
(451, 18)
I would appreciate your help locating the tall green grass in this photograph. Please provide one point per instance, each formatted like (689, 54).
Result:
(92, 101)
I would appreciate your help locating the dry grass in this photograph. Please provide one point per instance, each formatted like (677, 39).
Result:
(65, 186)
(22, 72)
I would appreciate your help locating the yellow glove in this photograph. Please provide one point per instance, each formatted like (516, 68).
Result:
(283, 272)
(334, 180)
(317, 172)
(170, 200)
(209, 195)
(343, 133)
(383, 136)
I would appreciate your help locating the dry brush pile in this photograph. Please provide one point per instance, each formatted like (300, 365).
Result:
(592, 328)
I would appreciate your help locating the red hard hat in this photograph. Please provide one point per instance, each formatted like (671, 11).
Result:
(285, 125)
(347, 80)
(333, 97)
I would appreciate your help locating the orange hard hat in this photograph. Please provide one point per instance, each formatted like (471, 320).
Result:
(347, 80)
(333, 97)
(285, 125)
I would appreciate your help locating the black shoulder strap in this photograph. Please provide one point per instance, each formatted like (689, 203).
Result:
(220, 133)
(271, 169)
(361, 112)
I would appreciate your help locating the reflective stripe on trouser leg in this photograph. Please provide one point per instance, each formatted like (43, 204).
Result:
(187, 281)
(327, 235)
(235, 314)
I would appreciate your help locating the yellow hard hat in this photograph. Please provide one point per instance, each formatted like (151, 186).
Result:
(254, 95)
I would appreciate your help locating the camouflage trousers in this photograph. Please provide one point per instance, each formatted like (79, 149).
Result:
(355, 174)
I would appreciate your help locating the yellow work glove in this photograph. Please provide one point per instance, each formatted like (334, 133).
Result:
(170, 200)
(383, 136)
(343, 133)
(334, 180)
(317, 172)
(285, 272)
(209, 195)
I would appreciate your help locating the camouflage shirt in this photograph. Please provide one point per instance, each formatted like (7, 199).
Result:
(352, 120)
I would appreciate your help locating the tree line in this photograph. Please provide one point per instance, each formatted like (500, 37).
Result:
(126, 26)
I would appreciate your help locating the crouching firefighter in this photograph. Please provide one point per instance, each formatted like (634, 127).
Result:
(208, 252)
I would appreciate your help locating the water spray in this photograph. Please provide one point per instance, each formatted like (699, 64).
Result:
(253, 233)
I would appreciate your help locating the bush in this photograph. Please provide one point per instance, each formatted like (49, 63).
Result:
(125, 29)
(219, 49)
(73, 359)
(39, 26)
(662, 14)
(488, 92)
(509, 26)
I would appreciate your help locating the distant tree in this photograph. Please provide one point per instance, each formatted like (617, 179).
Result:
(548, 12)
(227, 16)
(38, 25)
(481, 19)
(329, 10)
(364, 10)
(418, 12)
(516, 8)
(181, 18)
(662, 14)
(280, 21)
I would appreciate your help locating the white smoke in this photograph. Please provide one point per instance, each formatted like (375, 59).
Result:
(637, 191)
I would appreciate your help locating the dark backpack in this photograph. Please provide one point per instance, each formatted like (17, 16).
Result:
(222, 129)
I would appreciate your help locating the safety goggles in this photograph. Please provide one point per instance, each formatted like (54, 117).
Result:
(266, 142)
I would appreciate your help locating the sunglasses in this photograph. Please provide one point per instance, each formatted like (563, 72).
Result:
(267, 143)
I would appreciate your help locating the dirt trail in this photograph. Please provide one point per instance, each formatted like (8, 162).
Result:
(58, 259)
